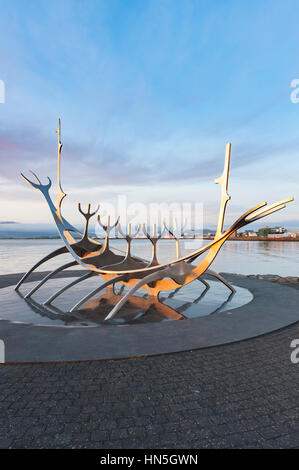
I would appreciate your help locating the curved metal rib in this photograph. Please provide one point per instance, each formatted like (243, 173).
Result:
(221, 279)
(205, 283)
(51, 274)
(68, 286)
(95, 291)
(54, 253)
(146, 280)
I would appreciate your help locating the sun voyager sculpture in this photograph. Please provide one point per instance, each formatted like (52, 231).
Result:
(116, 267)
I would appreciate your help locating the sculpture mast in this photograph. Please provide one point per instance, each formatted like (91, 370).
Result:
(60, 193)
(223, 181)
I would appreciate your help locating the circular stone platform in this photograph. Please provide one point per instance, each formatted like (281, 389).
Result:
(272, 307)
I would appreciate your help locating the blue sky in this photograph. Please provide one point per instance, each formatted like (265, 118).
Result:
(149, 92)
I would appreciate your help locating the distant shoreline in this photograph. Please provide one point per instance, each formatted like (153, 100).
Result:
(241, 239)
(259, 239)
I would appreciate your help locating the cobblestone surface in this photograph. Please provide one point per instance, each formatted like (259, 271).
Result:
(243, 395)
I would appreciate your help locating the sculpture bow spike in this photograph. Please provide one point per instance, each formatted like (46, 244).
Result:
(60, 193)
(277, 206)
(39, 185)
(223, 181)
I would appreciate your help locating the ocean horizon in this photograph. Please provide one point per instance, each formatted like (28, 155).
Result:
(30, 230)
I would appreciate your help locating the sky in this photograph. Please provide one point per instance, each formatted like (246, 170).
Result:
(149, 92)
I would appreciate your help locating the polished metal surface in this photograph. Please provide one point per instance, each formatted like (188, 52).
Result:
(114, 266)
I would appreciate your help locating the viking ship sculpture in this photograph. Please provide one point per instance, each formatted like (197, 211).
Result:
(116, 267)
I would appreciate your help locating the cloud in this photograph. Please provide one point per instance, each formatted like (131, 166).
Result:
(103, 164)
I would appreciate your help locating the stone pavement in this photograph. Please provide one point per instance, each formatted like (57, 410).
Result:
(242, 395)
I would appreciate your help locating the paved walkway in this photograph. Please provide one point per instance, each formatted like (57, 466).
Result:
(237, 396)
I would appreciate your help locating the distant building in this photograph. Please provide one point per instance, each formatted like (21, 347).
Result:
(278, 230)
(250, 234)
(263, 232)
(294, 234)
(271, 231)
(277, 235)
(192, 234)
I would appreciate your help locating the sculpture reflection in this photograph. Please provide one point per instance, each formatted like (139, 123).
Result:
(141, 308)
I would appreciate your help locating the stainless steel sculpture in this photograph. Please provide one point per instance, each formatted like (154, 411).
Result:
(114, 266)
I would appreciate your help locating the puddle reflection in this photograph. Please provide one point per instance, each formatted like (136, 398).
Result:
(191, 301)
